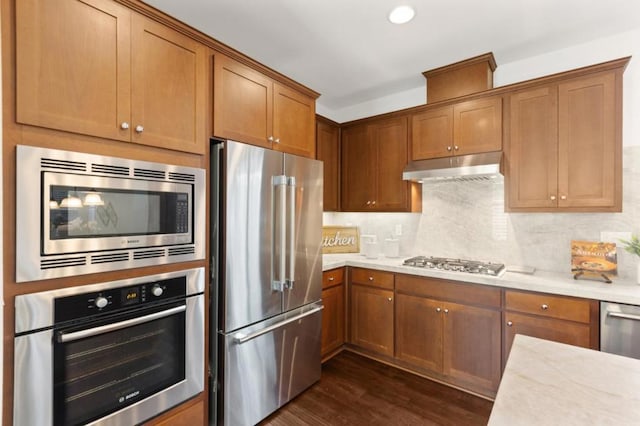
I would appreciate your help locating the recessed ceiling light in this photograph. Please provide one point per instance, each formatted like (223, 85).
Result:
(401, 14)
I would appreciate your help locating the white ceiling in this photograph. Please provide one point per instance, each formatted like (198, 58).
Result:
(349, 52)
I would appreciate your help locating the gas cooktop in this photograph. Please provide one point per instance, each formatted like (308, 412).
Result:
(458, 265)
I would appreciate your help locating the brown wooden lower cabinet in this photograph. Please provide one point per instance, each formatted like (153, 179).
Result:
(193, 415)
(372, 319)
(459, 343)
(563, 319)
(333, 313)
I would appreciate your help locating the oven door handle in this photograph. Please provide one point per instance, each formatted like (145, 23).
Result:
(76, 335)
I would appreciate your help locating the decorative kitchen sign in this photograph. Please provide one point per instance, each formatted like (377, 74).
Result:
(594, 260)
(340, 239)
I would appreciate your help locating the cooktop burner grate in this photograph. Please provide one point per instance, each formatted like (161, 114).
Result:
(458, 265)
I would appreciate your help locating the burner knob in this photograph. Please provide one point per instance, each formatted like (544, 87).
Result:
(101, 302)
(156, 290)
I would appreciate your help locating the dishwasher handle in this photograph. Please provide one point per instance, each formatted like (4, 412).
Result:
(623, 315)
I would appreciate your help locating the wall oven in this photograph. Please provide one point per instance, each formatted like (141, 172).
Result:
(80, 213)
(112, 353)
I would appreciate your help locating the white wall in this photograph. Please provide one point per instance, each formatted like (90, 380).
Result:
(593, 52)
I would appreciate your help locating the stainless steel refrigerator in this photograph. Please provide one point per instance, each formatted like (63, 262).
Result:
(266, 283)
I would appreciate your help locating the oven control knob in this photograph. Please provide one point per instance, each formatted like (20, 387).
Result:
(156, 290)
(101, 302)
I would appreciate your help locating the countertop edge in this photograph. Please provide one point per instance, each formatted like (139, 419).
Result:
(541, 281)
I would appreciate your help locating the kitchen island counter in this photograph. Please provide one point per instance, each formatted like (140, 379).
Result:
(619, 291)
(549, 383)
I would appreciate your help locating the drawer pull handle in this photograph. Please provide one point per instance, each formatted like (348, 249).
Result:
(509, 323)
(330, 278)
(544, 307)
(370, 278)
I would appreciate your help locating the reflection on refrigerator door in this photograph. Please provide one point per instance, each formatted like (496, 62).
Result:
(270, 363)
(266, 272)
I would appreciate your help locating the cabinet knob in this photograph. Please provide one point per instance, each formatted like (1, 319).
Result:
(373, 203)
(509, 323)
(124, 125)
(390, 299)
(438, 309)
(456, 147)
(563, 197)
(370, 278)
(368, 203)
(544, 307)
(270, 138)
(448, 148)
(330, 278)
(446, 311)
(553, 198)
(276, 140)
(139, 128)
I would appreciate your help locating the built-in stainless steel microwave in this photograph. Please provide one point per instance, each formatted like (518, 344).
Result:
(80, 213)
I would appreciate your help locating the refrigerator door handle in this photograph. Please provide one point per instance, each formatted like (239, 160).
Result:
(291, 182)
(280, 182)
(242, 338)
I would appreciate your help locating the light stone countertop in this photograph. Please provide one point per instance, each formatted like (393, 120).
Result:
(542, 281)
(549, 383)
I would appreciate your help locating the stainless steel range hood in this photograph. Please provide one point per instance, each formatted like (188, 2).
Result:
(463, 167)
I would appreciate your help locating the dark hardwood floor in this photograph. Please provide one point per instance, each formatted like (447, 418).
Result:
(355, 390)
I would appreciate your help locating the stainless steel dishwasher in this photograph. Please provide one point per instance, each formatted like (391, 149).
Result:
(620, 329)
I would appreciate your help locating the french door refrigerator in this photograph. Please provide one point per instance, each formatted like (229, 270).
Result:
(266, 264)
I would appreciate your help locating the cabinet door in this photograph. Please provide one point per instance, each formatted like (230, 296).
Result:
(332, 319)
(190, 416)
(532, 158)
(472, 346)
(73, 66)
(372, 319)
(588, 143)
(242, 103)
(419, 332)
(389, 139)
(294, 120)
(562, 331)
(168, 92)
(477, 126)
(356, 170)
(432, 134)
(328, 151)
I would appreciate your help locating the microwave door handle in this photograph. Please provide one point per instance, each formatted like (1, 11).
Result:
(242, 338)
(90, 332)
(292, 232)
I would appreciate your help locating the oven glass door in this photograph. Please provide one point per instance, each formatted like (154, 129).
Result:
(105, 366)
(87, 213)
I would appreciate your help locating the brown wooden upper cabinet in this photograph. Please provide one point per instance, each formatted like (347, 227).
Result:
(94, 67)
(468, 127)
(328, 151)
(374, 154)
(564, 152)
(250, 107)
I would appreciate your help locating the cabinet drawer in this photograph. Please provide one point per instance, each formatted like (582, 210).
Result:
(372, 278)
(560, 307)
(472, 294)
(332, 277)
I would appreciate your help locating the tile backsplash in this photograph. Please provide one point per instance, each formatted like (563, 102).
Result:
(467, 220)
